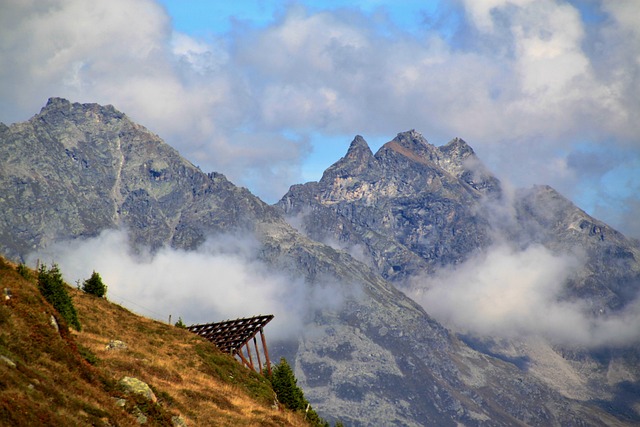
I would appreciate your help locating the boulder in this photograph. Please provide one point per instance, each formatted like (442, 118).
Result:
(136, 386)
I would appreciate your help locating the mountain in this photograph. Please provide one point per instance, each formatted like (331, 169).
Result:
(414, 209)
(412, 206)
(375, 356)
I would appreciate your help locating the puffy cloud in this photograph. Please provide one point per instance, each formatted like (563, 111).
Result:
(504, 293)
(125, 53)
(518, 79)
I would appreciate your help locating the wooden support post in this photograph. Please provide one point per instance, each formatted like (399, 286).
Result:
(255, 344)
(249, 353)
(266, 352)
(244, 360)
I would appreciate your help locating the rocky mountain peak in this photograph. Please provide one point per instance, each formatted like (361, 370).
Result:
(458, 158)
(56, 103)
(358, 160)
(457, 148)
(410, 144)
(359, 148)
(58, 111)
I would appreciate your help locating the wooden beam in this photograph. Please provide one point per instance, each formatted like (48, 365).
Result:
(232, 335)
(255, 344)
(249, 353)
(244, 360)
(266, 352)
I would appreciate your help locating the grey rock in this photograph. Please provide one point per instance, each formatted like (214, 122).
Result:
(54, 323)
(410, 208)
(116, 345)
(141, 418)
(136, 386)
(178, 421)
(8, 361)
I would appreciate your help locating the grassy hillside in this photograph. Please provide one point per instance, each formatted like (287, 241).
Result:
(65, 377)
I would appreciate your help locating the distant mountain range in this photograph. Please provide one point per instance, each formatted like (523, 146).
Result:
(381, 227)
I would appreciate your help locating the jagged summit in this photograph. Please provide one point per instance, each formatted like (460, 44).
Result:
(359, 148)
(61, 108)
(457, 147)
(56, 102)
(410, 144)
(359, 159)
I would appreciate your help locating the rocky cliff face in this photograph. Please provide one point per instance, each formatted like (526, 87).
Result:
(414, 208)
(377, 359)
(74, 170)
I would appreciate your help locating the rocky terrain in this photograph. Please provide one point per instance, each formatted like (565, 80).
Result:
(413, 209)
(368, 227)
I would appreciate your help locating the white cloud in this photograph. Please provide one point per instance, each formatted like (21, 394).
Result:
(508, 293)
(525, 80)
(223, 280)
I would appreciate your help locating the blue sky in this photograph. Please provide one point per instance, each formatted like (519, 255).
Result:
(271, 93)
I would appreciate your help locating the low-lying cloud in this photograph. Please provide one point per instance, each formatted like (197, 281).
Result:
(509, 293)
(223, 280)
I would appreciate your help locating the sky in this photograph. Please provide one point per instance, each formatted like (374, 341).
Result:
(271, 93)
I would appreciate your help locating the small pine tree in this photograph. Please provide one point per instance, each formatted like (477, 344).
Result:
(53, 289)
(290, 395)
(95, 286)
(286, 387)
(180, 324)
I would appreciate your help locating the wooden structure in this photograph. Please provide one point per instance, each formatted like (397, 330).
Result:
(234, 337)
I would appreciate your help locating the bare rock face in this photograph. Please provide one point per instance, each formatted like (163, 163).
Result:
(74, 170)
(412, 207)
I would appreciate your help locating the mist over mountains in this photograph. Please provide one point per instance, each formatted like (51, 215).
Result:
(409, 286)
(489, 259)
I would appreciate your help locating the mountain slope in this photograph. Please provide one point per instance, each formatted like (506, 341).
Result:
(372, 356)
(54, 378)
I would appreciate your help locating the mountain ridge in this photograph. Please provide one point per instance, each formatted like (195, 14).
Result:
(378, 356)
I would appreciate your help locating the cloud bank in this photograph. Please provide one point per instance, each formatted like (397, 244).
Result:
(508, 293)
(545, 82)
(222, 280)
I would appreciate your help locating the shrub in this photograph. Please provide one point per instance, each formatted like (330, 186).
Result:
(180, 324)
(87, 355)
(24, 271)
(54, 290)
(95, 286)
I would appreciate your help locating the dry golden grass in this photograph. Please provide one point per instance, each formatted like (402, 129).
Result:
(72, 379)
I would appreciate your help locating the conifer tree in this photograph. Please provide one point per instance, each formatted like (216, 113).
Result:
(53, 289)
(285, 385)
(95, 286)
